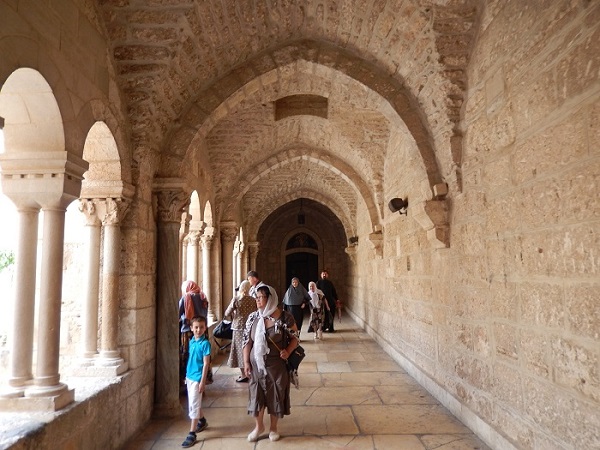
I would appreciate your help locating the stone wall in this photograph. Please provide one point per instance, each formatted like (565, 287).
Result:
(506, 321)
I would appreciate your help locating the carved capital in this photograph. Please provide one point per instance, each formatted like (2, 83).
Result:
(206, 241)
(170, 205)
(229, 231)
(115, 210)
(193, 237)
(88, 207)
(252, 249)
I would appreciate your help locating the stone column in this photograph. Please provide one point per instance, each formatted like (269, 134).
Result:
(184, 259)
(183, 244)
(229, 231)
(241, 274)
(109, 343)
(47, 379)
(24, 302)
(89, 329)
(193, 240)
(170, 206)
(244, 262)
(252, 254)
(207, 280)
(235, 276)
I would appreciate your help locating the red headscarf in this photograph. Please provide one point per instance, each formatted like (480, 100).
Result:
(187, 289)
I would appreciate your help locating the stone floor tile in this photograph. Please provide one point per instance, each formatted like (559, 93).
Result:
(404, 395)
(344, 396)
(397, 442)
(324, 367)
(319, 420)
(406, 419)
(352, 396)
(453, 442)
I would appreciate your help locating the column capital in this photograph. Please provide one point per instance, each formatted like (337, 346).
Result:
(252, 248)
(88, 207)
(193, 237)
(206, 241)
(170, 204)
(229, 231)
(115, 210)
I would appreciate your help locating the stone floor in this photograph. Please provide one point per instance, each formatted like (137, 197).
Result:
(352, 395)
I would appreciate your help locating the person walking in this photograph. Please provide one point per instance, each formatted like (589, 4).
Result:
(196, 378)
(317, 307)
(295, 300)
(269, 340)
(254, 280)
(241, 306)
(325, 285)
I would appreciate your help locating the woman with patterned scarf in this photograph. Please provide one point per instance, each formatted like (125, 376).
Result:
(269, 339)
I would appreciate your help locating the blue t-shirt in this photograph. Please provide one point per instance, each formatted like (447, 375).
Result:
(199, 348)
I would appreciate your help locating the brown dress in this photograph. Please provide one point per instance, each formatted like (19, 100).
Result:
(240, 308)
(273, 389)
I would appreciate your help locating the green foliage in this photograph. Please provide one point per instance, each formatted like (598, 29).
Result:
(7, 259)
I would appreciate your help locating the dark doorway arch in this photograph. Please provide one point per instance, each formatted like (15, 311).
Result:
(303, 265)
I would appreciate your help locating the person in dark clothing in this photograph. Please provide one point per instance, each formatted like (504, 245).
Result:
(328, 289)
(295, 301)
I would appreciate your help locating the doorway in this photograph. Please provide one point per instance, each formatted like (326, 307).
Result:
(303, 265)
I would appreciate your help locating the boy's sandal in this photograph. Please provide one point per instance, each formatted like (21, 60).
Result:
(189, 440)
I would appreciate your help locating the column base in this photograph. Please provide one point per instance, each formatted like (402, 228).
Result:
(14, 391)
(102, 368)
(38, 402)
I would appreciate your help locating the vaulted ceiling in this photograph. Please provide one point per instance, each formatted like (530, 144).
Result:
(201, 77)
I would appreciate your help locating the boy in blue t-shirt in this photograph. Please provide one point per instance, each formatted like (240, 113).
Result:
(196, 378)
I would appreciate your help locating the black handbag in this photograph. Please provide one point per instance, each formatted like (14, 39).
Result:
(223, 330)
(295, 358)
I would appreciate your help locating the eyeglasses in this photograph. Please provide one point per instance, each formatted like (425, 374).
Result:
(260, 296)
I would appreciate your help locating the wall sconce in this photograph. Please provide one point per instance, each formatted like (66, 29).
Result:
(398, 205)
(1, 123)
(353, 240)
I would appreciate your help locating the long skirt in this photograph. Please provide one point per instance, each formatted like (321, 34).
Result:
(298, 313)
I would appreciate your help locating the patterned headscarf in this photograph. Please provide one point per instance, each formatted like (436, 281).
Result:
(261, 348)
(187, 289)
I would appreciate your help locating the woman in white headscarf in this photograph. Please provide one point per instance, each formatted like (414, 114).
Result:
(269, 339)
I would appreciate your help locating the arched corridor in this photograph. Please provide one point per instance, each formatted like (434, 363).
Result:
(441, 158)
(352, 395)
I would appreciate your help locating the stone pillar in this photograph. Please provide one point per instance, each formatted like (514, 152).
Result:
(183, 233)
(170, 206)
(240, 272)
(47, 379)
(109, 350)
(252, 254)
(89, 329)
(244, 269)
(229, 231)
(24, 303)
(235, 276)
(193, 240)
(184, 259)
(207, 280)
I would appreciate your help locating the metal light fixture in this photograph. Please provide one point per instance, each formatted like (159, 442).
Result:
(398, 205)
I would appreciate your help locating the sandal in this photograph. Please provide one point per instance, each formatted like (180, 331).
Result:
(189, 440)
(242, 380)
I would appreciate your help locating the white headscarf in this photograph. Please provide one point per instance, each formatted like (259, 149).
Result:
(261, 348)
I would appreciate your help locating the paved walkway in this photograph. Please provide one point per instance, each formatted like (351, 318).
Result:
(352, 395)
